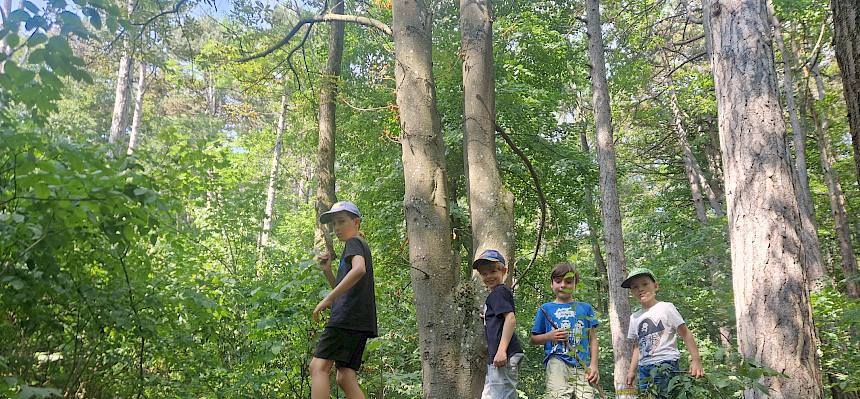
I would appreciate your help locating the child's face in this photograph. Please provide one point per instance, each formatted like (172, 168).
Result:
(644, 289)
(492, 274)
(345, 227)
(563, 287)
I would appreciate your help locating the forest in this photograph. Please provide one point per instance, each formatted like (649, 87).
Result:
(163, 165)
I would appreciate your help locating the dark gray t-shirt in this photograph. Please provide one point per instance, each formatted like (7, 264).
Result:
(499, 302)
(356, 308)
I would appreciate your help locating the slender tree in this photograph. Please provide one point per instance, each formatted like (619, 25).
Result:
(119, 117)
(327, 128)
(846, 42)
(593, 226)
(619, 306)
(273, 178)
(138, 108)
(771, 297)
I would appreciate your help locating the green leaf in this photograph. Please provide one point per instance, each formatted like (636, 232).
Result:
(32, 7)
(36, 57)
(37, 39)
(15, 18)
(37, 21)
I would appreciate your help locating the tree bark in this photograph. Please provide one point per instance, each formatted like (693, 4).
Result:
(771, 296)
(491, 206)
(691, 165)
(434, 268)
(138, 108)
(619, 306)
(327, 128)
(846, 42)
(119, 117)
(811, 244)
(273, 178)
(837, 202)
(591, 219)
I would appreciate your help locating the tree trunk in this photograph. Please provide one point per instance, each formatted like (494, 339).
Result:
(809, 233)
(774, 317)
(434, 268)
(591, 219)
(491, 206)
(326, 147)
(690, 163)
(138, 108)
(273, 178)
(837, 202)
(619, 306)
(119, 117)
(846, 42)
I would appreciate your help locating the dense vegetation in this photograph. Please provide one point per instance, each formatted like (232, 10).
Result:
(141, 274)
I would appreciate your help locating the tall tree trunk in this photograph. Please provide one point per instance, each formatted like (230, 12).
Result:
(619, 306)
(434, 268)
(591, 219)
(837, 202)
(846, 42)
(326, 147)
(119, 117)
(774, 316)
(809, 233)
(138, 108)
(273, 178)
(690, 163)
(491, 206)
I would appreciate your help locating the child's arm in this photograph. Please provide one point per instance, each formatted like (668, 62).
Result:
(634, 364)
(358, 270)
(325, 265)
(501, 358)
(593, 375)
(559, 334)
(696, 369)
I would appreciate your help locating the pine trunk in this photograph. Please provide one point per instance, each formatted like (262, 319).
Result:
(138, 108)
(434, 267)
(846, 42)
(619, 306)
(772, 306)
(491, 206)
(327, 127)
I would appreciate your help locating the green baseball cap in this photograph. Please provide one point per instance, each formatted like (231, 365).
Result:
(637, 272)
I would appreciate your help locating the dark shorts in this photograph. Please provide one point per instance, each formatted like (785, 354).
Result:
(343, 346)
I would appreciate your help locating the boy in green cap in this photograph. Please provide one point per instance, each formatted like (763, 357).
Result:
(656, 327)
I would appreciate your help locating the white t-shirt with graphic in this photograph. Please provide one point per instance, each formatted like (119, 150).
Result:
(656, 330)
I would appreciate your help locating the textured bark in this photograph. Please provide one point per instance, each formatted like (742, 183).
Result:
(811, 245)
(774, 317)
(138, 108)
(691, 165)
(327, 128)
(619, 306)
(491, 206)
(591, 219)
(837, 202)
(434, 268)
(846, 42)
(273, 177)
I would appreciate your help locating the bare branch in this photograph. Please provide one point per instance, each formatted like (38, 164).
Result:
(328, 17)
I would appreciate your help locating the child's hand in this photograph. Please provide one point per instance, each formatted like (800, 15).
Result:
(501, 359)
(630, 379)
(593, 375)
(323, 305)
(559, 334)
(324, 261)
(696, 369)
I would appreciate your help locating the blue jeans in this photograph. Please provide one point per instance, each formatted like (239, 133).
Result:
(664, 372)
(501, 382)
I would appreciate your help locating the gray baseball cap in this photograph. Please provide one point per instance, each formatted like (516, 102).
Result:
(340, 206)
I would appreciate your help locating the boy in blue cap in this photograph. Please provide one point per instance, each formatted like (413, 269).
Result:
(505, 352)
(655, 328)
(353, 307)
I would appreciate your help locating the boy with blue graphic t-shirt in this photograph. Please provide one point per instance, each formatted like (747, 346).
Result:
(567, 330)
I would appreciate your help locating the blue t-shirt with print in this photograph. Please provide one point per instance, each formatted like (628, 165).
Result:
(579, 317)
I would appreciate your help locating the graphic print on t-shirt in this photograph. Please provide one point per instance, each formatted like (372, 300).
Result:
(565, 315)
(649, 336)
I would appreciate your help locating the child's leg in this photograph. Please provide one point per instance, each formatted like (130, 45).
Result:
(557, 376)
(581, 388)
(320, 370)
(348, 381)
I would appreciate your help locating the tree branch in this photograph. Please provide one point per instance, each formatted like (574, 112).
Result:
(328, 17)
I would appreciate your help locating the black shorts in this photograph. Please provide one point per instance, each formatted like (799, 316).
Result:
(343, 346)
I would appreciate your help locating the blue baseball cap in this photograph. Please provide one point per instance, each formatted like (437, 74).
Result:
(490, 255)
(340, 206)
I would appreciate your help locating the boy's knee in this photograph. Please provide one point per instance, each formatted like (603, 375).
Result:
(320, 367)
(345, 376)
